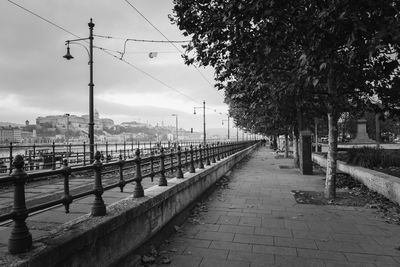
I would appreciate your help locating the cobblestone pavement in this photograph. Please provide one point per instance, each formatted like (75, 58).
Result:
(255, 221)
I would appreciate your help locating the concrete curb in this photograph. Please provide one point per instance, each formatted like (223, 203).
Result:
(384, 184)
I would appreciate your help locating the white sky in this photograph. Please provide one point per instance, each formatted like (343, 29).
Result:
(35, 80)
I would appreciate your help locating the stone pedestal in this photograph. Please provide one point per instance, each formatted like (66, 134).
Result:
(362, 136)
(305, 153)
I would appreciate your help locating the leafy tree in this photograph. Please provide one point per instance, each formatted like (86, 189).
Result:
(329, 56)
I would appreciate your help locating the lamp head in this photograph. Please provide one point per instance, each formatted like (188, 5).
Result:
(68, 55)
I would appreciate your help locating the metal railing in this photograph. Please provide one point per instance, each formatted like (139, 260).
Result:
(154, 163)
(51, 156)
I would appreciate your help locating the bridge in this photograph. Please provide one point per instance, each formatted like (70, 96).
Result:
(252, 219)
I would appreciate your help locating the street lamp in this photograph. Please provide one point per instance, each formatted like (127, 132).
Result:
(204, 120)
(68, 56)
(176, 125)
(228, 125)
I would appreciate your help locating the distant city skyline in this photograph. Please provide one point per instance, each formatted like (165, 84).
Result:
(37, 81)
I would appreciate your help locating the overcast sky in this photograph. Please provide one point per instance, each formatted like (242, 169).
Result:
(35, 80)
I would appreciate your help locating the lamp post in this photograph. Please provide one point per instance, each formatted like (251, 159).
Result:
(204, 120)
(228, 125)
(176, 125)
(68, 56)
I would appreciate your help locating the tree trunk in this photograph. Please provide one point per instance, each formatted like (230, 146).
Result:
(286, 146)
(377, 130)
(316, 134)
(330, 182)
(296, 148)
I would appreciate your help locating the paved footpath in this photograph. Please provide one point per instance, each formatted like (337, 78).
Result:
(257, 222)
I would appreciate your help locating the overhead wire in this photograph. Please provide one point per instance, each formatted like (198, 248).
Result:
(42, 18)
(141, 40)
(173, 44)
(107, 51)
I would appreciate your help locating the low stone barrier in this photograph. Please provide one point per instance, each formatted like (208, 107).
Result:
(384, 184)
(104, 241)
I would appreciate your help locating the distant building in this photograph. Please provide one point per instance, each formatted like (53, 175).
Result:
(76, 123)
(10, 134)
(133, 124)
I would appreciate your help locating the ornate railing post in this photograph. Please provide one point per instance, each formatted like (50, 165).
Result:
(186, 158)
(163, 180)
(11, 157)
(53, 157)
(152, 166)
(122, 182)
(222, 150)
(124, 149)
(84, 154)
(208, 163)
(106, 152)
(98, 208)
(20, 239)
(171, 155)
(180, 173)
(192, 169)
(201, 165)
(67, 200)
(217, 147)
(213, 153)
(138, 191)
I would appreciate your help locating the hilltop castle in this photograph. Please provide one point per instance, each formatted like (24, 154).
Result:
(75, 122)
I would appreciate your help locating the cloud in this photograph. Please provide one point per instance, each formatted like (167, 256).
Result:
(37, 81)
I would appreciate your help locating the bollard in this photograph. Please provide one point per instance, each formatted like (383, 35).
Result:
(67, 199)
(122, 182)
(98, 208)
(138, 191)
(20, 239)
(162, 181)
(192, 170)
(201, 165)
(180, 173)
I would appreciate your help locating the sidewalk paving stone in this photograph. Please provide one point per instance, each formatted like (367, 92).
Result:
(228, 263)
(253, 239)
(236, 229)
(262, 214)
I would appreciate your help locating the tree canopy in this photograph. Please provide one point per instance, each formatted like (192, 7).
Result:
(280, 60)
